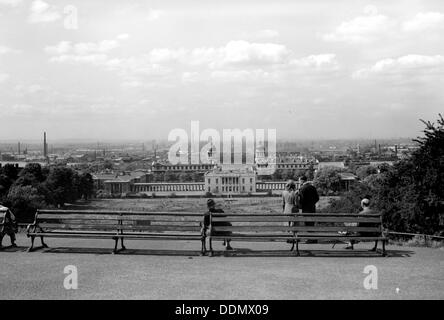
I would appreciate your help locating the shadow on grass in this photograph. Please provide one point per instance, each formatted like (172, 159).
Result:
(237, 253)
(314, 253)
(13, 249)
(126, 252)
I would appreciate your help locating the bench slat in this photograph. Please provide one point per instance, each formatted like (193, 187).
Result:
(271, 214)
(343, 238)
(295, 228)
(296, 219)
(71, 216)
(123, 213)
(162, 218)
(254, 239)
(73, 235)
(77, 226)
(119, 227)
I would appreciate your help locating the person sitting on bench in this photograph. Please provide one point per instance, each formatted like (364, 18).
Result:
(212, 209)
(365, 205)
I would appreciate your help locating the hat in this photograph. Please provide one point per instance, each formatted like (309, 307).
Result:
(210, 202)
(290, 184)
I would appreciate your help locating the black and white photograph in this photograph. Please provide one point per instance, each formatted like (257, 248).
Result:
(239, 152)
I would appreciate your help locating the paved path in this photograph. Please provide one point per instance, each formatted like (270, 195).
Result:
(169, 270)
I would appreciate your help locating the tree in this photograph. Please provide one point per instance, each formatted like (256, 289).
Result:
(328, 180)
(24, 201)
(8, 174)
(32, 174)
(310, 173)
(364, 171)
(409, 194)
(61, 186)
(85, 186)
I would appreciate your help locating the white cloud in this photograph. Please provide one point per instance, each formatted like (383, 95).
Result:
(41, 11)
(4, 77)
(10, 3)
(424, 21)
(364, 28)
(326, 60)
(85, 52)
(233, 53)
(245, 52)
(408, 64)
(243, 75)
(188, 77)
(154, 14)
(5, 50)
(261, 34)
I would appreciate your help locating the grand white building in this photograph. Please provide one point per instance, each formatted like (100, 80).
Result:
(229, 182)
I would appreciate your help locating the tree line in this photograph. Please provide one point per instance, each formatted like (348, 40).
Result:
(409, 194)
(33, 187)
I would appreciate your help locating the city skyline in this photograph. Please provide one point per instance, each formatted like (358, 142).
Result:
(137, 70)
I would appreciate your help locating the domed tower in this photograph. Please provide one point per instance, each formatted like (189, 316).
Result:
(260, 153)
(211, 153)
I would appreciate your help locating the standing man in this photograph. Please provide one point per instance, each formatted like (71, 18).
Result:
(308, 196)
(9, 226)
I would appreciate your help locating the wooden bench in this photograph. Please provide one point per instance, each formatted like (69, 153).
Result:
(250, 227)
(339, 227)
(116, 225)
(302, 227)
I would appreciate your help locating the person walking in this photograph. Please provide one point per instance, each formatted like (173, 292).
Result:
(9, 226)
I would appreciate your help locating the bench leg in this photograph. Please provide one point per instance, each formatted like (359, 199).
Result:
(44, 245)
(32, 244)
(121, 243)
(210, 241)
(203, 249)
(292, 246)
(383, 248)
(297, 248)
(115, 246)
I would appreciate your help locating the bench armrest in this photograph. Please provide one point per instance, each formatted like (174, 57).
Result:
(30, 226)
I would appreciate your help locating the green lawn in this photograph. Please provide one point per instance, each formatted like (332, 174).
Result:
(238, 205)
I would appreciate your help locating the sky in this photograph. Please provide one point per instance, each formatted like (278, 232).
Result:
(109, 69)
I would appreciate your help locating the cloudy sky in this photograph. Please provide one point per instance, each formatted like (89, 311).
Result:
(109, 69)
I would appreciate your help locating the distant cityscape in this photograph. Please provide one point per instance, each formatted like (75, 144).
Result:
(143, 169)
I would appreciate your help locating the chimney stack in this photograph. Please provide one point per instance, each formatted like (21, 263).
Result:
(45, 146)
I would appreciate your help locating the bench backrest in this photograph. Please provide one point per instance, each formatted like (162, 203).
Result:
(301, 223)
(339, 222)
(119, 221)
(2, 217)
(250, 223)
